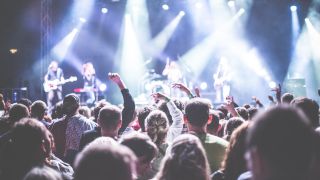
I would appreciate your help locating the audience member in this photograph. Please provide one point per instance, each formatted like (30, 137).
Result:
(286, 98)
(109, 121)
(142, 114)
(309, 107)
(38, 111)
(185, 159)
(144, 149)
(43, 173)
(280, 145)
(196, 118)
(68, 130)
(16, 112)
(231, 125)
(105, 159)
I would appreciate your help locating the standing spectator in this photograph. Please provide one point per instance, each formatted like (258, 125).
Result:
(68, 130)
(16, 112)
(280, 145)
(196, 118)
(38, 110)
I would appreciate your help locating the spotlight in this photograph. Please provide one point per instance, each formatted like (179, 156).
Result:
(231, 3)
(104, 10)
(198, 5)
(83, 20)
(203, 86)
(293, 8)
(13, 51)
(103, 87)
(182, 13)
(272, 84)
(165, 7)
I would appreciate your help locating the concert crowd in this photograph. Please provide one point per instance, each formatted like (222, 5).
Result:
(174, 138)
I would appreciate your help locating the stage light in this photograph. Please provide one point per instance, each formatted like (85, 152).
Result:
(182, 13)
(103, 87)
(13, 51)
(272, 84)
(203, 86)
(83, 20)
(104, 10)
(231, 3)
(198, 5)
(165, 7)
(293, 8)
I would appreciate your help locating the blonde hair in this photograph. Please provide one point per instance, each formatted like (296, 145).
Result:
(157, 126)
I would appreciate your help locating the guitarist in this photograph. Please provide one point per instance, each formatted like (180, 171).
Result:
(222, 79)
(54, 74)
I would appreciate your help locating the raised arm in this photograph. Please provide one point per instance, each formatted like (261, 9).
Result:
(128, 102)
(183, 88)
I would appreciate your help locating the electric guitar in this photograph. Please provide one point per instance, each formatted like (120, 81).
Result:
(54, 84)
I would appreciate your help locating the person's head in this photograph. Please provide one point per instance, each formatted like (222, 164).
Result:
(71, 104)
(309, 107)
(85, 111)
(98, 107)
(231, 125)
(234, 162)
(57, 111)
(142, 114)
(17, 112)
(243, 112)
(185, 159)
(197, 113)
(104, 158)
(252, 112)
(38, 109)
(143, 148)
(26, 102)
(110, 118)
(28, 145)
(157, 126)
(287, 98)
(53, 66)
(280, 144)
(214, 125)
(43, 173)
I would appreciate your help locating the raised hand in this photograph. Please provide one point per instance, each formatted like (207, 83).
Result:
(115, 77)
(197, 91)
(183, 88)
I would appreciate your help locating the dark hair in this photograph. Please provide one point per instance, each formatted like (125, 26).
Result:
(163, 107)
(142, 115)
(17, 112)
(287, 98)
(157, 126)
(24, 148)
(104, 158)
(309, 107)
(234, 162)
(197, 111)
(141, 145)
(252, 112)
(43, 173)
(71, 104)
(284, 138)
(25, 102)
(85, 111)
(243, 112)
(231, 125)
(186, 159)
(98, 107)
(109, 117)
(38, 109)
(214, 125)
(57, 111)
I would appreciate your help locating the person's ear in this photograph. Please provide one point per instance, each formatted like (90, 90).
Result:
(210, 119)
(185, 119)
(119, 124)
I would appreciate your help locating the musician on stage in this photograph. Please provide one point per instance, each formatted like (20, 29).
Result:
(54, 74)
(222, 79)
(90, 84)
(174, 75)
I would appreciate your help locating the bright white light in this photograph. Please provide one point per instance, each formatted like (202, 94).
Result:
(182, 13)
(241, 11)
(82, 19)
(198, 5)
(165, 7)
(104, 10)
(272, 84)
(203, 86)
(293, 8)
(103, 87)
(231, 3)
